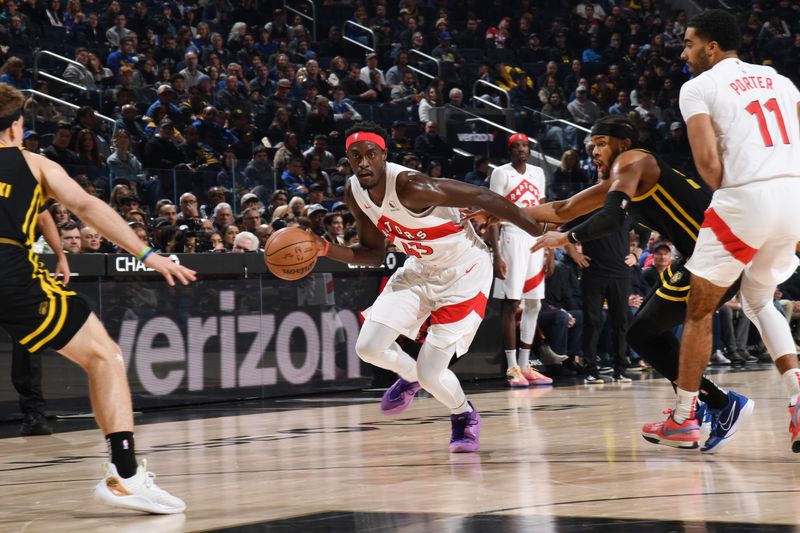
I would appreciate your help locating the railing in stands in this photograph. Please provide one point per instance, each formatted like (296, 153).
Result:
(312, 17)
(65, 103)
(427, 58)
(356, 42)
(492, 86)
(554, 119)
(38, 73)
(541, 156)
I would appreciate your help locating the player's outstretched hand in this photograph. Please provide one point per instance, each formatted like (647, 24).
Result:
(481, 217)
(551, 239)
(170, 270)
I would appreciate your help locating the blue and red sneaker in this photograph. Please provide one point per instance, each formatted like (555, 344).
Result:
(466, 431)
(398, 397)
(670, 433)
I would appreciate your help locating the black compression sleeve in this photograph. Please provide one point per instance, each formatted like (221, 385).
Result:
(605, 221)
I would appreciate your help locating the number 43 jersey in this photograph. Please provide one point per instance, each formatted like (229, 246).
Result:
(754, 113)
(435, 236)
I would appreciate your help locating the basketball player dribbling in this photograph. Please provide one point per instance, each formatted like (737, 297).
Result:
(39, 312)
(447, 275)
(743, 127)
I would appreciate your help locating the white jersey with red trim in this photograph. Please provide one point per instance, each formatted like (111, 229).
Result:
(524, 190)
(435, 237)
(754, 112)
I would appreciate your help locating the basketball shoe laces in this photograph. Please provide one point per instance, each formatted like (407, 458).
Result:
(401, 390)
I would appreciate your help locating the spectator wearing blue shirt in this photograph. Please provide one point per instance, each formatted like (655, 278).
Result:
(591, 54)
(293, 179)
(13, 73)
(480, 173)
(166, 96)
(123, 56)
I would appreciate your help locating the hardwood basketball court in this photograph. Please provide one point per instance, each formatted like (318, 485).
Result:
(551, 459)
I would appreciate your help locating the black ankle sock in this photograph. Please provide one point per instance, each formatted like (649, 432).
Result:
(123, 455)
(715, 397)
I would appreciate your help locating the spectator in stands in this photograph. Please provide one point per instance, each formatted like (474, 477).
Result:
(13, 73)
(70, 237)
(55, 14)
(293, 178)
(30, 141)
(279, 127)
(258, 170)
(90, 240)
(342, 110)
(124, 56)
(406, 93)
(320, 147)
(568, 177)
(229, 234)
(472, 36)
(78, 76)
(558, 132)
(169, 213)
(262, 82)
(433, 147)
(430, 99)
(122, 164)
(320, 121)
(251, 219)
(118, 31)
(584, 112)
(223, 216)
(534, 52)
(84, 144)
(288, 149)
(522, 99)
(357, 90)
(480, 174)
(59, 150)
(191, 73)
(161, 151)
(210, 130)
(244, 242)
(334, 228)
(662, 258)
(623, 105)
(318, 177)
(394, 76)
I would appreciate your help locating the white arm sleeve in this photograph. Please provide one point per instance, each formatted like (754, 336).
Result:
(693, 97)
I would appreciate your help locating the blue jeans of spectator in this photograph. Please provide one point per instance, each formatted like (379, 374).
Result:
(564, 136)
(562, 338)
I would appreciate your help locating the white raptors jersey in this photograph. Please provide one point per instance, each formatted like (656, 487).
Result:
(523, 190)
(754, 112)
(435, 237)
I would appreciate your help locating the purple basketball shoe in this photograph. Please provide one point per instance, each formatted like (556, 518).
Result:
(466, 430)
(398, 397)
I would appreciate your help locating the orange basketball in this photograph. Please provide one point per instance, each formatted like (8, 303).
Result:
(291, 253)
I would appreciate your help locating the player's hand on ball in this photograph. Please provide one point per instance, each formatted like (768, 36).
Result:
(551, 239)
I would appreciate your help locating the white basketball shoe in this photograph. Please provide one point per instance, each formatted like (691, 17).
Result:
(139, 492)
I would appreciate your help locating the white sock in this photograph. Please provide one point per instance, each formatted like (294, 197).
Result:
(511, 357)
(524, 357)
(463, 408)
(792, 380)
(684, 405)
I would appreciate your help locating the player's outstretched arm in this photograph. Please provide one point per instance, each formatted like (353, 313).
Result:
(57, 184)
(371, 247)
(557, 211)
(418, 191)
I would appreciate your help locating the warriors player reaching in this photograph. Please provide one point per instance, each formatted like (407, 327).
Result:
(447, 276)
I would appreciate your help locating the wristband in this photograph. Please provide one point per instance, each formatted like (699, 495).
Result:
(327, 246)
(571, 238)
(144, 254)
(544, 228)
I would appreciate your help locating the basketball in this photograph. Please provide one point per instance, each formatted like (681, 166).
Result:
(291, 253)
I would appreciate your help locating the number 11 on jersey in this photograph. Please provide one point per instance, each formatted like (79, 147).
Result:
(754, 108)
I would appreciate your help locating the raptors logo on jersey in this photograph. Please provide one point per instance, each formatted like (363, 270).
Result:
(525, 190)
(435, 237)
